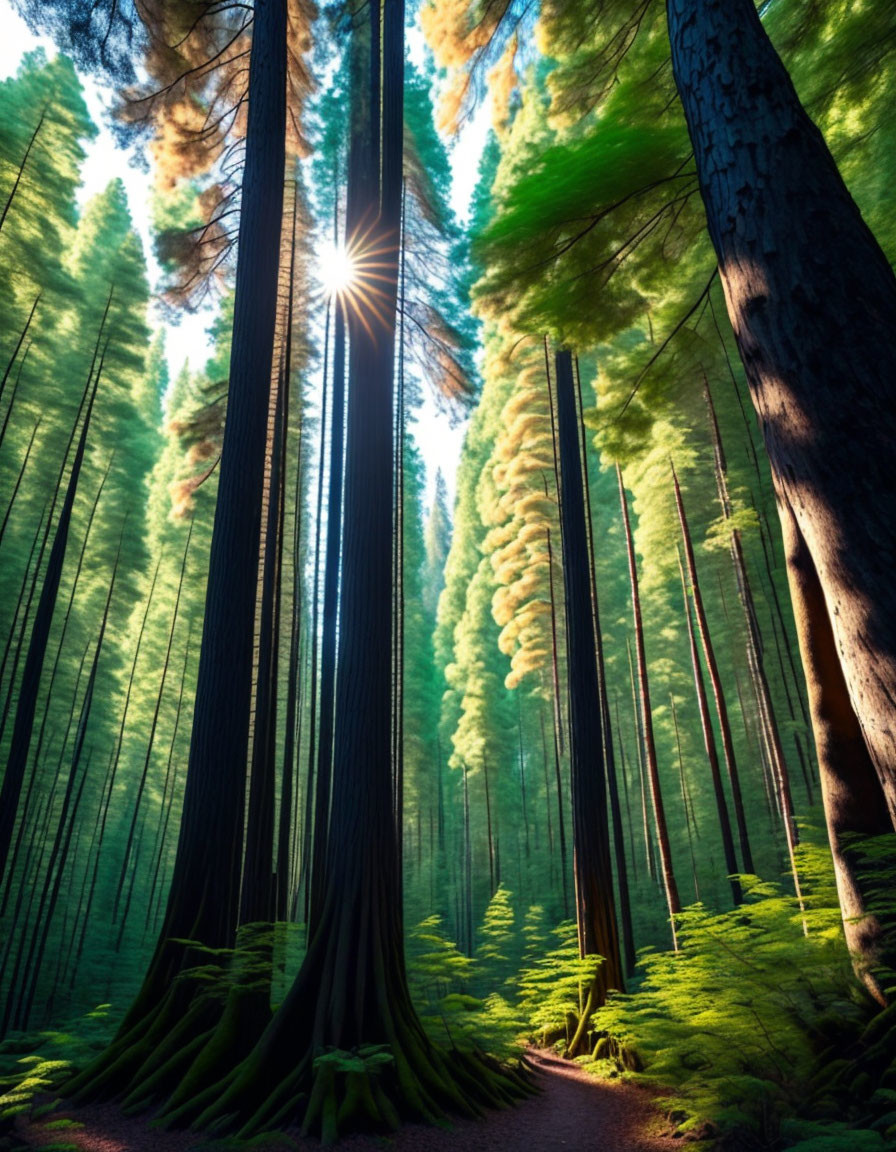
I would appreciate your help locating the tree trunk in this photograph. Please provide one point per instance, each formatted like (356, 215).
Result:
(23, 725)
(203, 901)
(653, 775)
(331, 601)
(351, 992)
(712, 756)
(595, 906)
(558, 729)
(812, 301)
(715, 679)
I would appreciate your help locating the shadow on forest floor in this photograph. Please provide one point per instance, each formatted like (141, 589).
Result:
(573, 1111)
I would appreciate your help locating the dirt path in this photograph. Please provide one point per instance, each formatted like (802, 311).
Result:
(573, 1112)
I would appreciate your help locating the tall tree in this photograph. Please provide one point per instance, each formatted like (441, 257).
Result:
(203, 903)
(596, 913)
(819, 364)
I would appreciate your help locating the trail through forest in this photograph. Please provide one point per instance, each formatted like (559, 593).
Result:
(572, 1110)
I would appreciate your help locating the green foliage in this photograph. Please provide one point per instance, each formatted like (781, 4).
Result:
(553, 990)
(732, 1022)
(440, 979)
(35, 1063)
(496, 935)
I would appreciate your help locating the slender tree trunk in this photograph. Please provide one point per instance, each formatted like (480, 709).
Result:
(777, 760)
(169, 785)
(17, 485)
(43, 619)
(715, 680)
(712, 756)
(659, 813)
(21, 170)
(468, 866)
(685, 800)
(62, 841)
(639, 747)
(524, 804)
(623, 772)
(150, 744)
(12, 399)
(331, 594)
(287, 778)
(15, 640)
(317, 797)
(558, 730)
(21, 340)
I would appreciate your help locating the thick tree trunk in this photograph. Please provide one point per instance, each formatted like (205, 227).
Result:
(203, 901)
(850, 787)
(812, 301)
(595, 906)
(351, 993)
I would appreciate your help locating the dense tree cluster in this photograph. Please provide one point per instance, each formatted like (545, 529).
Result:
(336, 791)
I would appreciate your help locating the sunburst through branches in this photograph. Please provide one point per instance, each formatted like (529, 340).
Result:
(358, 274)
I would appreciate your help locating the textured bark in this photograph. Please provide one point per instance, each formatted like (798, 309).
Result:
(204, 893)
(352, 991)
(258, 893)
(595, 906)
(850, 787)
(812, 301)
(287, 777)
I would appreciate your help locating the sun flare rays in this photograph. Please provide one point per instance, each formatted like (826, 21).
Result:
(359, 274)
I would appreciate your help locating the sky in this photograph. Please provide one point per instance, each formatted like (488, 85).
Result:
(439, 442)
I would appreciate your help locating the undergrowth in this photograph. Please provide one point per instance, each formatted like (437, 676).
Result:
(755, 1036)
(34, 1064)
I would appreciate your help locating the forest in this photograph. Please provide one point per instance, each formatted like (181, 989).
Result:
(447, 549)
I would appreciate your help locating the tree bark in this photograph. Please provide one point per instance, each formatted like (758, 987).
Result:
(203, 902)
(812, 301)
(595, 906)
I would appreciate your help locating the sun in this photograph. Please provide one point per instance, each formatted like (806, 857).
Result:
(336, 269)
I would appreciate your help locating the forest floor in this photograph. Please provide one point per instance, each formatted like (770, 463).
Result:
(572, 1111)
